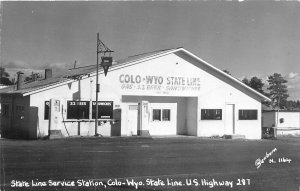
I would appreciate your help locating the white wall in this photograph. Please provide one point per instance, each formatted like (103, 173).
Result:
(191, 116)
(289, 126)
(72, 91)
(163, 127)
(162, 101)
(291, 119)
(214, 90)
(156, 78)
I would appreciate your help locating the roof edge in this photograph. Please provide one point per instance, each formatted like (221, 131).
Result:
(160, 54)
(227, 75)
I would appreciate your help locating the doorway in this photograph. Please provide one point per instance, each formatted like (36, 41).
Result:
(229, 119)
(132, 120)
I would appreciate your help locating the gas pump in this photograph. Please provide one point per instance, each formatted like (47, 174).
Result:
(144, 119)
(55, 118)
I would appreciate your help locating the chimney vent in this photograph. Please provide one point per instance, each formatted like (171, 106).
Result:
(20, 81)
(48, 73)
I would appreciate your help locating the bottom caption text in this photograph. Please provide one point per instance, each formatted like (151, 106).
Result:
(157, 182)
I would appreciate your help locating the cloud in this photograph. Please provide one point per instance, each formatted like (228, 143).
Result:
(293, 85)
(291, 75)
(12, 67)
(57, 67)
(17, 64)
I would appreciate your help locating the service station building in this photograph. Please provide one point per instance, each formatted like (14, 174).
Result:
(169, 92)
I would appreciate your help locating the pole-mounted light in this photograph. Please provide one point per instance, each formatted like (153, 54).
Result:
(106, 62)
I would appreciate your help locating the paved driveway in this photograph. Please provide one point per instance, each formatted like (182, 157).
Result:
(180, 163)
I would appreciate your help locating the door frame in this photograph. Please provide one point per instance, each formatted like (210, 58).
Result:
(233, 117)
(137, 123)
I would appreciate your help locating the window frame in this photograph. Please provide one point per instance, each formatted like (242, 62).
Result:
(248, 116)
(169, 113)
(156, 120)
(5, 109)
(102, 117)
(161, 117)
(19, 112)
(46, 110)
(212, 114)
(79, 110)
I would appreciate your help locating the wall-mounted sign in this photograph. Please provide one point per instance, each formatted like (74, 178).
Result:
(159, 83)
(105, 109)
(78, 109)
(46, 110)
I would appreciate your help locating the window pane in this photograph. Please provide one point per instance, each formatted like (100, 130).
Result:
(211, 114)
(105, 110)
(83, 109)
(166, 115)
(46, 111)
(78, 109)
(72, 110)
(248, 114)
(156, 115)
(5, 110)
(19, 112)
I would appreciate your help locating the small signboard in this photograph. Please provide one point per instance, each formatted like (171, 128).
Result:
(106, 62)
(46, 110)
(78, 109)
(105, 109)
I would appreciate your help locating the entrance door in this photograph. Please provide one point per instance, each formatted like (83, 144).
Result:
(132, 120)
(229, 121)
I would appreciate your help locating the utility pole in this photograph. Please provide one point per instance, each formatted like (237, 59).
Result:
(106, 62)
(97, 88)
(277, 120)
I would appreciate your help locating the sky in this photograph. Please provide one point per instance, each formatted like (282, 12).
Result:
(248, 38)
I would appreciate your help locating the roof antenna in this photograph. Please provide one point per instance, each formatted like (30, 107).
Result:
(75, 64)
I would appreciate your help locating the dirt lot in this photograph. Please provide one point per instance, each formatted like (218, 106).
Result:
(181, 163)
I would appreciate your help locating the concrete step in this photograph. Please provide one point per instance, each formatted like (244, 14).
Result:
(55, 134)
(235, 136)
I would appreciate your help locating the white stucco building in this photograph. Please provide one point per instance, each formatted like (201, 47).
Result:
(287, 122)
(169, 92)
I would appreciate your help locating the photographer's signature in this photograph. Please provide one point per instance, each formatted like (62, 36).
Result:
(267, 158)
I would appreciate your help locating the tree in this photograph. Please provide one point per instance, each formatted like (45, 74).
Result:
(4, 77)
(246, 81)
(292, 105)
(255, 83)
(32, 77)
(278, 90)
(226, 71)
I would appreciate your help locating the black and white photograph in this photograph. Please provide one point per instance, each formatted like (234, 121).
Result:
(150, 95)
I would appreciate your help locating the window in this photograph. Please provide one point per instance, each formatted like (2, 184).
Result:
(156, 115)
(78, 109)
(105, 109)
(5, 110)
(19, 112)
(211, 114)
(281, 120)
(46, 110)
(19, 108)
(248, 114)
(166, 114)
(161, 115)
